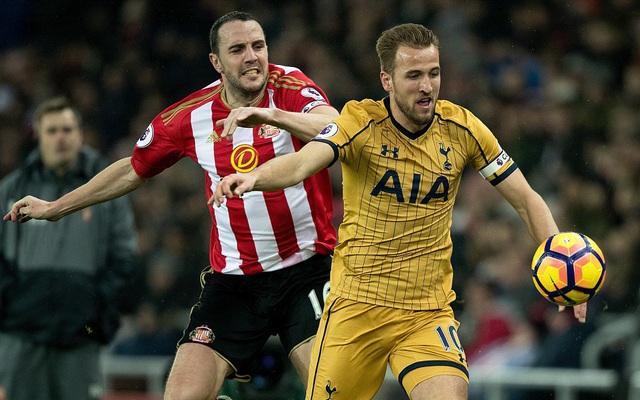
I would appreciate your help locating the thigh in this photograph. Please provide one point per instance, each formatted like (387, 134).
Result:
(300, 357)
(429, 348)
(442, 387)
(349, 357)
(72, 381)
(303, 290)
(197, 373)
(231, 319)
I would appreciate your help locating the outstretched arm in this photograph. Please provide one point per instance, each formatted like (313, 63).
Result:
(114, 181)
(277, 173)
(530, 206)
(303, 125)
(536, 215)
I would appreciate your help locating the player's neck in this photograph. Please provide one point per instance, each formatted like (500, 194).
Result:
(236, 100)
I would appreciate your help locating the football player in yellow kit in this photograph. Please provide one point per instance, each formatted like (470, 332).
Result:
(391, 280)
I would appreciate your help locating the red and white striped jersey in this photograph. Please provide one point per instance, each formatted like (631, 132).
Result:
(262, 231)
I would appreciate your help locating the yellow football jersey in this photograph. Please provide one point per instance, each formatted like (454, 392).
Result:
(399, 188)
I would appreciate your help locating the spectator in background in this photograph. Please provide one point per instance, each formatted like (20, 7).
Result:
(59, 283)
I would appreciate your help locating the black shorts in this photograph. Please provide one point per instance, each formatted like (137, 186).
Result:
(236, 314)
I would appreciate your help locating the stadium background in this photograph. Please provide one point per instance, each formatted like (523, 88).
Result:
(558, 82)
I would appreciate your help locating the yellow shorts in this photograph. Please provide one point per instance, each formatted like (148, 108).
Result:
(355, 341)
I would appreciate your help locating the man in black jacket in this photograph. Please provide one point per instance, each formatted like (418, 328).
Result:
(59, 282)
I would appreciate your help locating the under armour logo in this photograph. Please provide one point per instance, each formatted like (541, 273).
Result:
(445, 152)
(330, 390)
(386, 150)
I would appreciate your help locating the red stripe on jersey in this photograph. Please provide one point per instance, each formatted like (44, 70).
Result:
(282, 223)
(244, 239)
(279, 211)
(237, 215)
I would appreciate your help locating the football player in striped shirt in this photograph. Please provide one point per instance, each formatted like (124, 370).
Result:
(391, 280)
(270, 253)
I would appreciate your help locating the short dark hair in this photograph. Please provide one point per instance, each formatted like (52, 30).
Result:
(412, 35)
(53, 105)
(214, 39)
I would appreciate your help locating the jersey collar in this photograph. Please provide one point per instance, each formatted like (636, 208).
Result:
(402, 129)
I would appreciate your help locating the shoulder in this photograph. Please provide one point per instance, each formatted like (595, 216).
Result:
(454, 113)
(355, 117)
(285, 77)
(191, 102)
(365, 111)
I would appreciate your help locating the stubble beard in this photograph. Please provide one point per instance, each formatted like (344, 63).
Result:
(411, 115)
(241, 92)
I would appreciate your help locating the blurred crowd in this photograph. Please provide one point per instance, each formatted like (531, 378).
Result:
(557, 82)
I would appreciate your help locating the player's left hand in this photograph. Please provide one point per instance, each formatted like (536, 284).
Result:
(245, 117)
(579, 311)
(231, 186)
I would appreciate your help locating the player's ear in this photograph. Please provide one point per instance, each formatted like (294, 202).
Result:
(215, 61)
(386, 81)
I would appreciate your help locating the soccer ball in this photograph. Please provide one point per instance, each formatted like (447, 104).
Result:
(568, 268)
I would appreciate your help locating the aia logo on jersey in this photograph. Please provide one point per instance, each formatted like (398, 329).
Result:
(268, 131)
(244, 158)
(392, 184)
(202, 334)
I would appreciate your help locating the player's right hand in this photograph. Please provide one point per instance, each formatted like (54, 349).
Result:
(27, 208)
(579, 311)
(246, 117)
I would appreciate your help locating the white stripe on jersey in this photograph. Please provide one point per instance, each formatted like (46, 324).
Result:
(225, 235)
(202, 127)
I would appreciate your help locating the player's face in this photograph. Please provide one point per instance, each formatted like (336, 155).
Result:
(59, 139)
(243, 60)
(414, 86)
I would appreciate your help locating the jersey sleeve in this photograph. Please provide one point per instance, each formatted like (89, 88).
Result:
(345, 132)
(491, 161)
(296, 92)
(157, 149)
